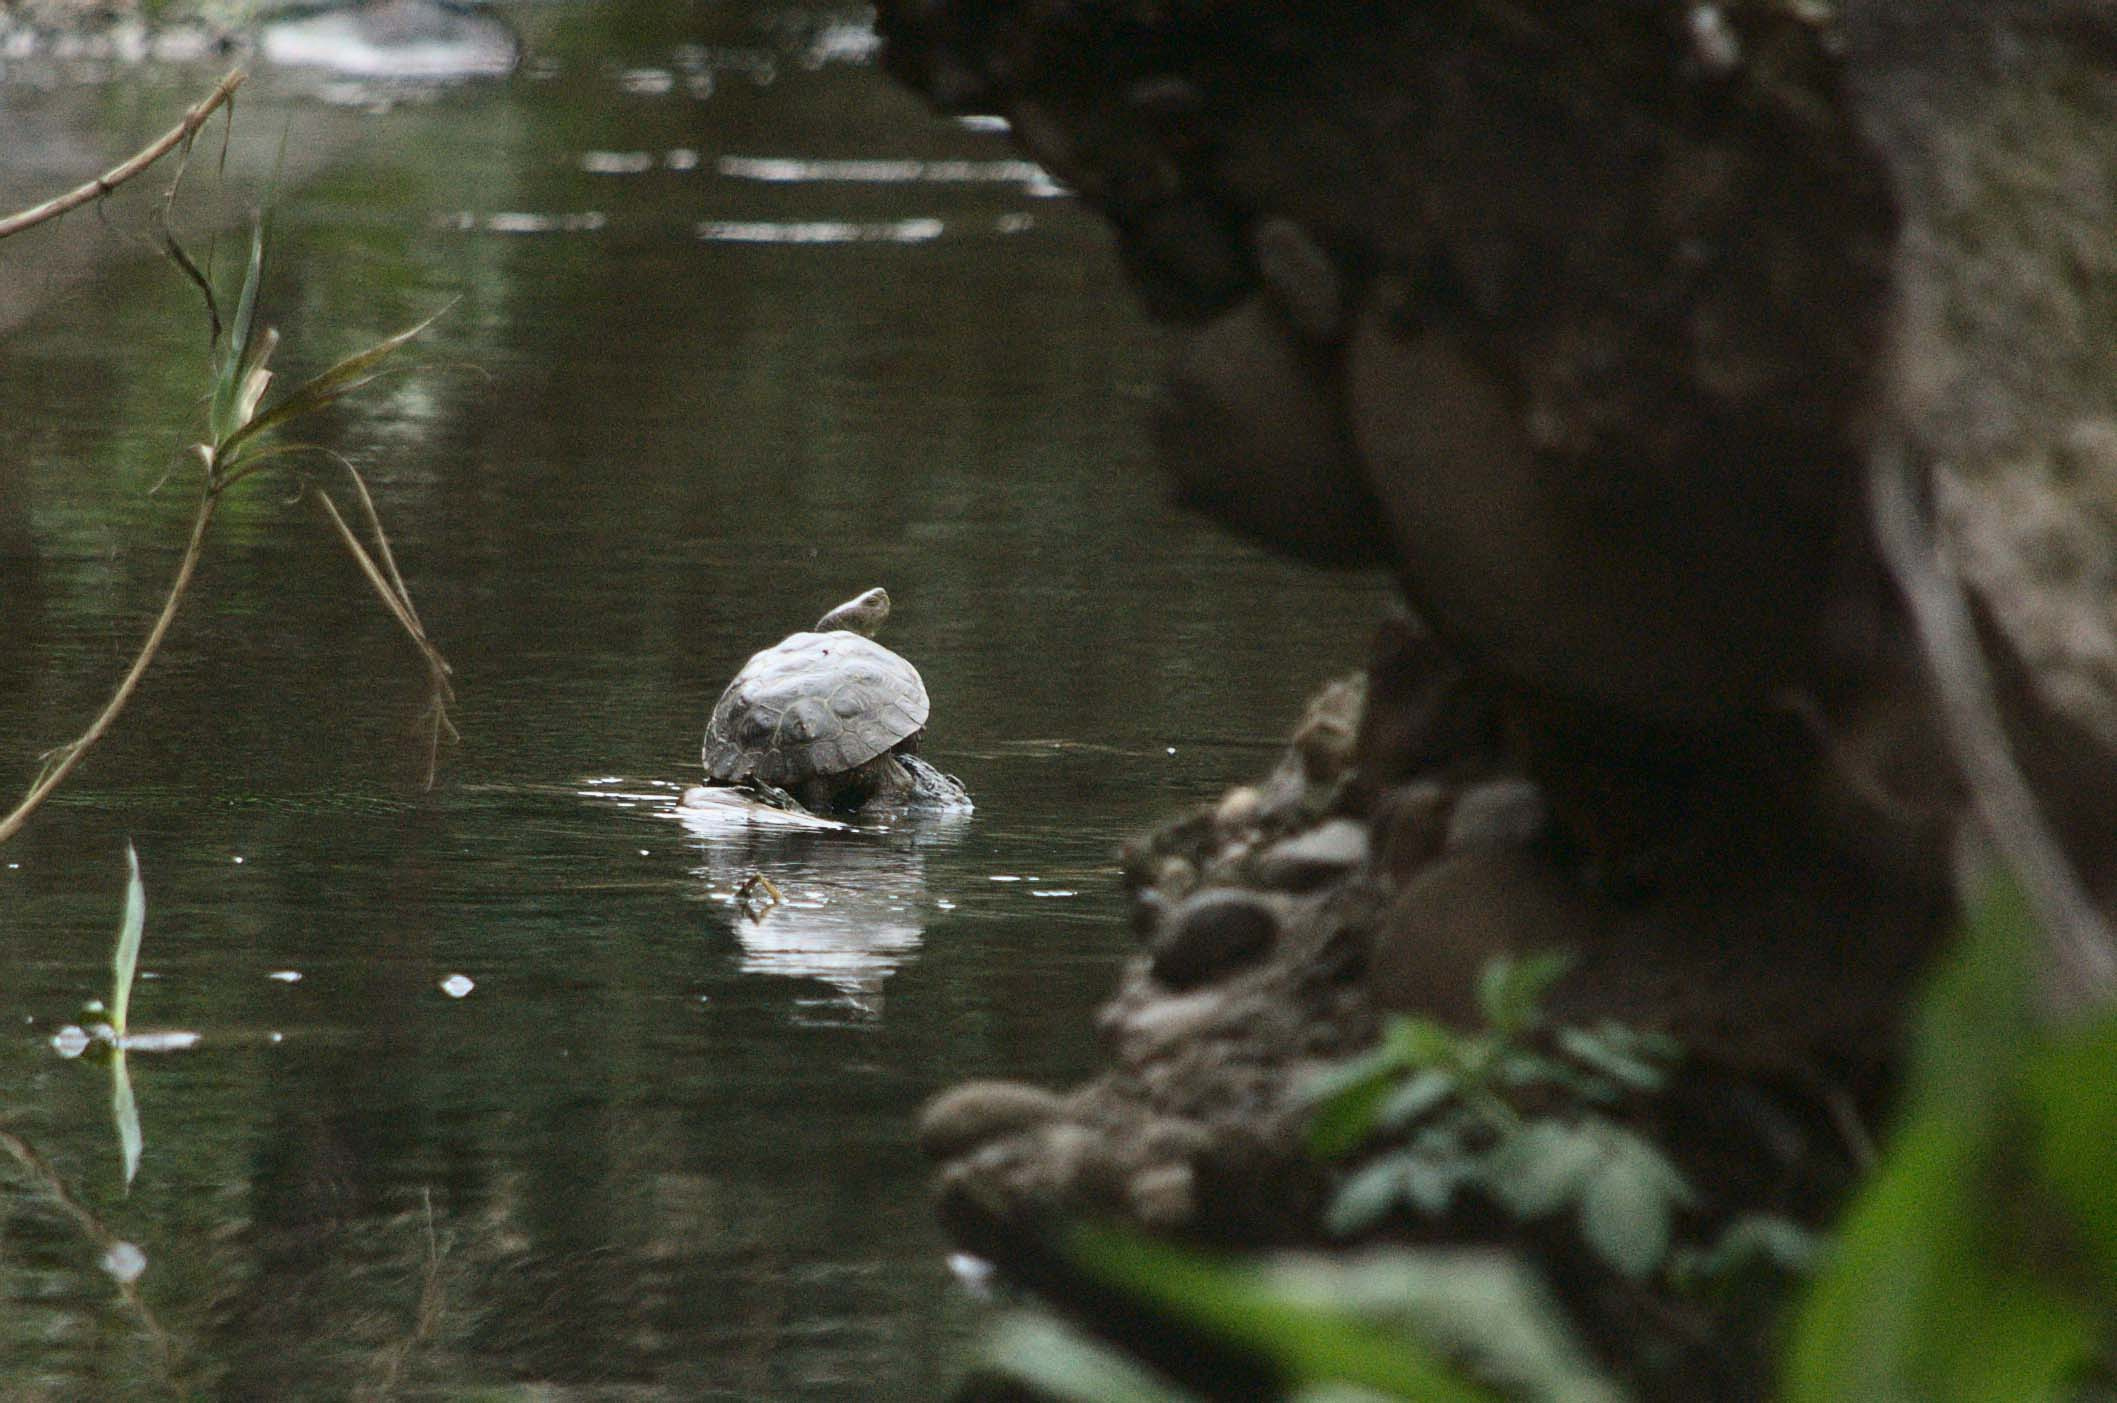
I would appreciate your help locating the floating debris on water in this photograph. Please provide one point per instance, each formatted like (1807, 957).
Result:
(819, 231)
(1054, 891)
(1003, 878)
(976, 1275)
(457, 985)
(682, 158)
(173, 1040)
(124, 1262)
(285, 976)
(711, 810)
(73, 1040)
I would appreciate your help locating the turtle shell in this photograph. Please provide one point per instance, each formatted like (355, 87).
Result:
(813, 704)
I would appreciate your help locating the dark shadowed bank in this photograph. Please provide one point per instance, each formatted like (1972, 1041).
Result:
(1588, 321)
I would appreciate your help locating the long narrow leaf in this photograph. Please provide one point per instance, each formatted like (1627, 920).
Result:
(125, 960)
(233, 361)
(1069, 1367)
(125, 1110)
(340, 380)
(1312, 1343)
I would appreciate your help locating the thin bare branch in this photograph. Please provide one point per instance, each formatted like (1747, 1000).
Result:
(125, 170)
(2081, 974)
(69, 755)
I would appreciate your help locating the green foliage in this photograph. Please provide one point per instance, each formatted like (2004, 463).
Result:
(1977, 1262)
(1067, 1366)
(1386, 1325)
(1457, 1099)
(1312, 1335)
(236, 422)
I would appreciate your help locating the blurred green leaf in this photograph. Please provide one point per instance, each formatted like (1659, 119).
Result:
(1349, 1098)
(1309, 1336)
(1628, 1203)
(1619, 1053)
(1923, 1298)
(1331, 1391)
(1750, 1242)
(1347, 1104)
(1069, 1366)
(1367, 1197)
(1412, 1098)
(2073, 1087)
(311, 395)
(1510, 992)
(1541, 1168)
(2023, 1343)
(1481, 1307)
(1897, 1251)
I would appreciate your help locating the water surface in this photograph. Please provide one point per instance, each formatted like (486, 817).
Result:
(740, 330)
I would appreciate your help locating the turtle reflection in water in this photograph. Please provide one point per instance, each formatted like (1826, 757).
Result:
(829, 721)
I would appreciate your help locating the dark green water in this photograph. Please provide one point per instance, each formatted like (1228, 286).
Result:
(658, 1151)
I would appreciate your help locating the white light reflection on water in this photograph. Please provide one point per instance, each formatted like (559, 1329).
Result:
(819, 231)
(881, 171)
(843, 908)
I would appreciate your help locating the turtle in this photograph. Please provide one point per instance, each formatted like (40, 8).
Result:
(830, 718)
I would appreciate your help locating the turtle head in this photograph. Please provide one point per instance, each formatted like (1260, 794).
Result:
(862, 614)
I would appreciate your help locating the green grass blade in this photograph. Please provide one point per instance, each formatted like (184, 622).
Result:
(340, 380)
(233, 362)
(126, 1112)
(125, 960)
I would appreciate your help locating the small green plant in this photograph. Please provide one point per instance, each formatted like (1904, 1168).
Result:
(1402, 1325)
(240, 441)
(1977, 1265)
(1462, 1102)
(240, 434)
